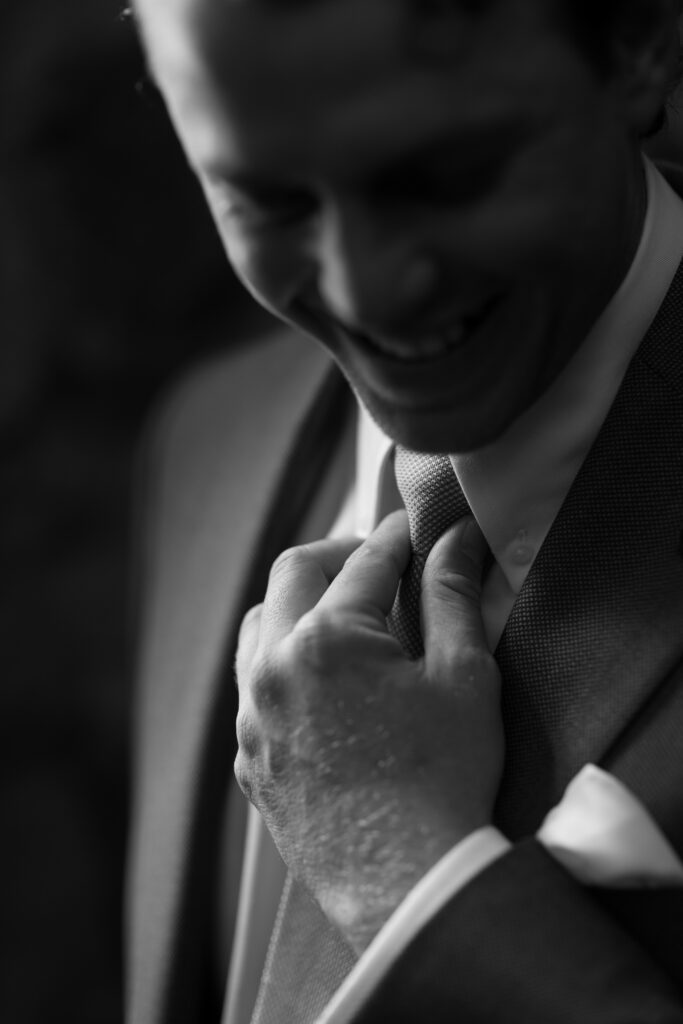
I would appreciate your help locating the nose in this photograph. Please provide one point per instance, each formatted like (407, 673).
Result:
(373, 274)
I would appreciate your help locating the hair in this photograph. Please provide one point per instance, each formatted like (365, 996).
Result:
(594, 24)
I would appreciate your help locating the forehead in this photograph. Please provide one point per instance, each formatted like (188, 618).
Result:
(270, 65)
(246, 79)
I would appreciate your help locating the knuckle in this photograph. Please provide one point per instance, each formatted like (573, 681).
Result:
(476, 667)
(453, 581)
(480, 661)
(243, 775)
(362, 553)
(266, 688)
(241, 669)
(247, 733)
(250, 617)
(314, 639)
(286, 561)
(367, 559)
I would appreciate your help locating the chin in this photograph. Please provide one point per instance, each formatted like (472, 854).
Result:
(438, 432)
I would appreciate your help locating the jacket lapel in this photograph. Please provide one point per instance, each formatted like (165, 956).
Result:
(229, 442)
(598, 624)
(594, 631)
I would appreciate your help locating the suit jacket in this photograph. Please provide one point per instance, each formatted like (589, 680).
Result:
(592, 664)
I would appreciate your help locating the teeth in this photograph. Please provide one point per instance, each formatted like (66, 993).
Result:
(429, 346)
(423, 348)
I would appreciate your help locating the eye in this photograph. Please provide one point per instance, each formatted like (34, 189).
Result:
(462, 168)
(262, 206)
(461, 184)
(447, 182)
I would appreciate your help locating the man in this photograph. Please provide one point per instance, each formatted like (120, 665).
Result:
(452, 198)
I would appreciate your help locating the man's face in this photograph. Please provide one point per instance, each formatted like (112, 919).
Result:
(446, 200)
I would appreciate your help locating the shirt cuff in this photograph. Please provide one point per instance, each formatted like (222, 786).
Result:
(599, 832)
(603, 835)
(467, 859)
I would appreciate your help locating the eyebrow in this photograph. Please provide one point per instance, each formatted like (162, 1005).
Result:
(253, 183)
(477, 144)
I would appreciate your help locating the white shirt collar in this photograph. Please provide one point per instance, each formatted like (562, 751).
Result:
(516, 485)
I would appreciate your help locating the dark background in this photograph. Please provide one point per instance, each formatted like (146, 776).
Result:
(112, 281)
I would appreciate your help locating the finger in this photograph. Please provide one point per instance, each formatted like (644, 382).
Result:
(331, 554)
(451, 595)
(298, 579)
(247, 643)
(367, 584)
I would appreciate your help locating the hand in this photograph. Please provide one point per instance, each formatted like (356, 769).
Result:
(367, 767)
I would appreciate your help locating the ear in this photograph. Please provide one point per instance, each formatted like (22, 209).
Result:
(645, 58)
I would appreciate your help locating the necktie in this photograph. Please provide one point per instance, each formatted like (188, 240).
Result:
(434, 501)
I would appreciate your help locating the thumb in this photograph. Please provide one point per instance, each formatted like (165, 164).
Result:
(451, 595)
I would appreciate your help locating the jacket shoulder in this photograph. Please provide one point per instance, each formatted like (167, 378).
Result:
(206, 437)
(222, 395)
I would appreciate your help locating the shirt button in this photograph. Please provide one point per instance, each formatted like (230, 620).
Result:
(522, 554)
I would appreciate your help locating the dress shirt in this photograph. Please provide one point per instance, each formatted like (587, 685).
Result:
(515, 488)
(516, 485)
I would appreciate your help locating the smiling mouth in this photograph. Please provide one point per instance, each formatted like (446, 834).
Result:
(429, 346)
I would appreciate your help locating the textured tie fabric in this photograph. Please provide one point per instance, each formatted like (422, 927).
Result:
(434, 501)
(306, 963)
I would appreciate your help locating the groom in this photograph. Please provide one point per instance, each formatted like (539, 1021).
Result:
(452, 199)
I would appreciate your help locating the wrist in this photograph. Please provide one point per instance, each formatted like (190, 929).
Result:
(362, 903)
(360, 910)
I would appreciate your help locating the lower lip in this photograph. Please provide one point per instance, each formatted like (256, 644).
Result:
(434, 382)
(413, 357)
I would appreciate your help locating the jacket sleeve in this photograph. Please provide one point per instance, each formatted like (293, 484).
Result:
(524, 942)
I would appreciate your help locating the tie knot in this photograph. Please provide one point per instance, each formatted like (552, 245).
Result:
(431, 494)
(434, 502)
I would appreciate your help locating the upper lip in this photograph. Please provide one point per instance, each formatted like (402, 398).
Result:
(414, 335)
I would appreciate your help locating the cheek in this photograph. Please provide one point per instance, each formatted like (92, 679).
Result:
(515, 236)
(536, 226)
